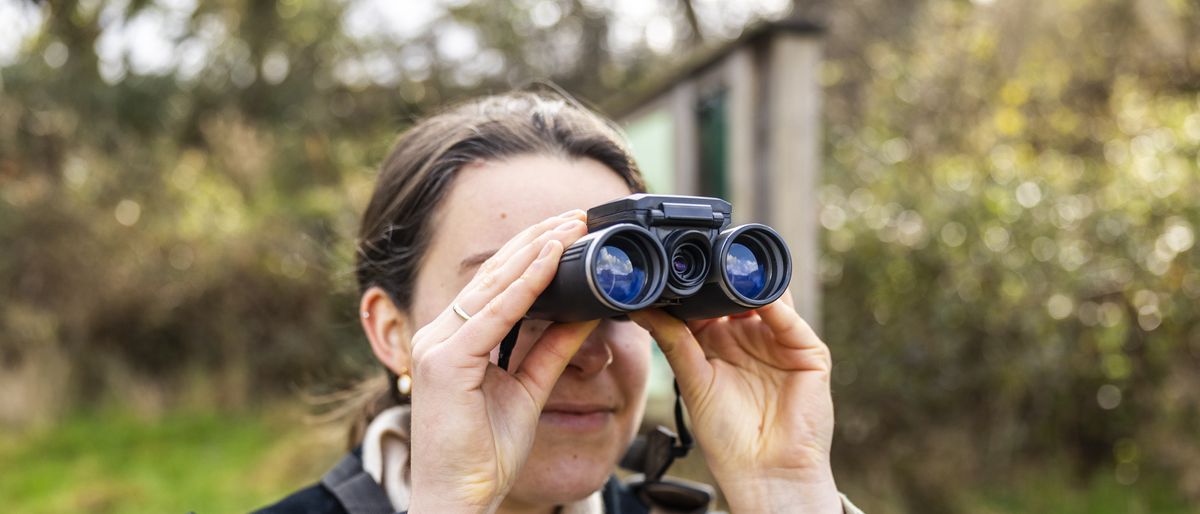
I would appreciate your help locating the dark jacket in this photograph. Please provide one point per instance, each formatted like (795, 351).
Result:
(348, 489)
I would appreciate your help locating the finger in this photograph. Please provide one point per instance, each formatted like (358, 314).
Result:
(698, 325)
(683, 352)
(550, 355)
(788, 299)
(789, 328)
(486, 328)
(487, 284)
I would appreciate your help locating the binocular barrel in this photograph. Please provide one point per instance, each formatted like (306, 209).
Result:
(606, 273)
(625, 267)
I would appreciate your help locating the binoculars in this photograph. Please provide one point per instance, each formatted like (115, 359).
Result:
(666, 251)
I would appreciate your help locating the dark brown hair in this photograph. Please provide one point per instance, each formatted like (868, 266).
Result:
(416, 175)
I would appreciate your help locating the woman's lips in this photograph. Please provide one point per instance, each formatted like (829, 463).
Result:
(577, 417)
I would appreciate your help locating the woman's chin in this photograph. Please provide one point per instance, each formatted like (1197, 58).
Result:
(572, 457)
(557, 491)
(558, 477)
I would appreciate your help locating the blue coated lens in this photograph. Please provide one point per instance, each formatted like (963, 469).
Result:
(619, 276)
(745, 271)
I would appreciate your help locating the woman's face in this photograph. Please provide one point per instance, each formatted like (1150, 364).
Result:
(597, 404)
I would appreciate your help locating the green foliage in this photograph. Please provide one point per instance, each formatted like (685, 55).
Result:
(157, 228)
(1010, 268)
(199, 219)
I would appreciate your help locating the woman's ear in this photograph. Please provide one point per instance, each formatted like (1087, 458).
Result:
(387, 328)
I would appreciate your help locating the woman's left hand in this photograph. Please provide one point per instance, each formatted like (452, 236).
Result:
(756, 386)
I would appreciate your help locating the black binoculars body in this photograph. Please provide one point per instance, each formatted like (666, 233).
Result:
(677, 253)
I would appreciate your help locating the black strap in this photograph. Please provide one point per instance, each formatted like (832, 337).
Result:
(507, 345)
(685, 437)
(652, 454)
(664, 446)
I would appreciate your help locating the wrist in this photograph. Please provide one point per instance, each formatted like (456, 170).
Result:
(417, 507)
(432, 494)
(808, 491)
(445, 503)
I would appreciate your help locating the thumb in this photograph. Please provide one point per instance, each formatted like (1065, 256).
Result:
(683, 352)
(549, 356)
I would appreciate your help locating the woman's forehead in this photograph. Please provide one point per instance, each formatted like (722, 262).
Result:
(491, 202)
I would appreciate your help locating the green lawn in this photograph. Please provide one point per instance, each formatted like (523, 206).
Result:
(205, 462)
(199, 462)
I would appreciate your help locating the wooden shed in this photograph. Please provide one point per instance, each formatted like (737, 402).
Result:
(742, 122)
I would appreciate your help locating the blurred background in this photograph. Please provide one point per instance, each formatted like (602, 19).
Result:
(1004, 210)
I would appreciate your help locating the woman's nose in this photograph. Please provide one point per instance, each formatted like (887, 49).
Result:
(594, 355)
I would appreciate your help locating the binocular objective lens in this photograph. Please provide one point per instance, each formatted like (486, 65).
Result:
(745, 270)
(618, 275)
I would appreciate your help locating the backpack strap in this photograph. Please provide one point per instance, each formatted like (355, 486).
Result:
(355, 489)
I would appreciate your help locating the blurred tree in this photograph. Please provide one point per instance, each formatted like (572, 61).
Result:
(181, 180)
(1011, 198)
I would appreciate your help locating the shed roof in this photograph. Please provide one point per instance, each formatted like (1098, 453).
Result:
(653, 86)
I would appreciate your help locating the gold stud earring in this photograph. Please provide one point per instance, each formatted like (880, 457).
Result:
(404, 383)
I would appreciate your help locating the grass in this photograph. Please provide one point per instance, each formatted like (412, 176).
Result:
(202, 462)
(111, 462)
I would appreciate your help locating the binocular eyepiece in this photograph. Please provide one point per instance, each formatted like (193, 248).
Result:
(667, 251)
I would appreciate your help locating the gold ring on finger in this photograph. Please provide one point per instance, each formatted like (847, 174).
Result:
(460, 311)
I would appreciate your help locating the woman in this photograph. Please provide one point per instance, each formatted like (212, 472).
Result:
(469, 217)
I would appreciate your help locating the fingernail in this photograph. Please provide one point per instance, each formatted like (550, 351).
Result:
(573, 213)
(570, 225)
(546, 248)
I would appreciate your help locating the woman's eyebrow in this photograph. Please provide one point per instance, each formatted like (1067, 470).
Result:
(475, 260)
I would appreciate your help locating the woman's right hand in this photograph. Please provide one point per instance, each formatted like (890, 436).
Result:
(473, 423)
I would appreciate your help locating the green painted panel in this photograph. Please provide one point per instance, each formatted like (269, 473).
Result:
(652, 140)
